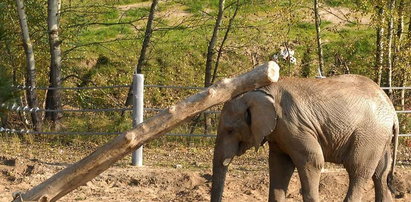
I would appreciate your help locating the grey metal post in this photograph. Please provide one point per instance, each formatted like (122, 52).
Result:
(138, 107)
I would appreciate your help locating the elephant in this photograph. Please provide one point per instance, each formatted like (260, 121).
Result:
(306, 122)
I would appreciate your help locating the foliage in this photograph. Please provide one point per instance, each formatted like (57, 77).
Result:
(101, 43)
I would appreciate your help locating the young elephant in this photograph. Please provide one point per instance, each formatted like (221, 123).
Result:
(345, 119)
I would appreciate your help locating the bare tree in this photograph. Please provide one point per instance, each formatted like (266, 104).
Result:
(400, 22)
(405, 73)
(397, 48)
(144, 46)
(390, 33)
(400, 29)
(379, 55)
(147, 37)
(220, 49)
(31, 68)
(211, 44)
(209, 59)
(53, 99)
(319, 45)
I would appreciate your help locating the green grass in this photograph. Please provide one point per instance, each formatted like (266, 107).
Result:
(195, 6)
(136, 13)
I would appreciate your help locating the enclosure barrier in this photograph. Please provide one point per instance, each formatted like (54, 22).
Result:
(137, 156)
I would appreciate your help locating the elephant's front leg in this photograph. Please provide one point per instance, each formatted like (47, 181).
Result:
(281, 170)
(309, 160)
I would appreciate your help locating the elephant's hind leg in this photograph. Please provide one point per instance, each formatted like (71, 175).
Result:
(281, 170)
(356, 187)
(361, 163)
(382, 192)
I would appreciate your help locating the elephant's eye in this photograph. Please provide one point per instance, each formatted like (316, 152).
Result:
(230, 131)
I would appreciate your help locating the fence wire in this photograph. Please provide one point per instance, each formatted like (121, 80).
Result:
(17, 108)
(23, 131)
(20, 87)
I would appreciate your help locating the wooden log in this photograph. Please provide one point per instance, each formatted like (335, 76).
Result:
(86, 169)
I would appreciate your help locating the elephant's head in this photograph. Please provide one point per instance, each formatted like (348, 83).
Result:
(244, 123)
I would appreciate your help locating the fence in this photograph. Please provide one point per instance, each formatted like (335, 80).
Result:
(138, 110)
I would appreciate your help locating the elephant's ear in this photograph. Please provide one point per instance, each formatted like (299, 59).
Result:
(260, 115)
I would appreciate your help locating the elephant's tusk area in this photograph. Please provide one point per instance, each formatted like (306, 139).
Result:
(227, 161)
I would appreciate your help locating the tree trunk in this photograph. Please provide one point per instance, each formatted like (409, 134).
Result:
(399, 34)
(209, 59)
(389, 45)
(220, 49)
(404, 69)
(86, 169)
(400, 27)
(211, 44)
(53, 99)
(144, 46)
(379, 56)
(31, 68)
(319, 45)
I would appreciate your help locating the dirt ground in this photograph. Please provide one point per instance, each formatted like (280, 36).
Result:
(175, 173)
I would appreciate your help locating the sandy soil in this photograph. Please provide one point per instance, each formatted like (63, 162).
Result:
(171, 174)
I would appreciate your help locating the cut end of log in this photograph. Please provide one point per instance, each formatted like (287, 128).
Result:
(129, 136)
(172, 109)
(225, 81)
(211, 92)
(273, 71)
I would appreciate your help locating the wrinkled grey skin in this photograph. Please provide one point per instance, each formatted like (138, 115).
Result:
(345, 119)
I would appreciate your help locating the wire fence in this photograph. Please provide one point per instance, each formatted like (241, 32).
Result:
(17, 108)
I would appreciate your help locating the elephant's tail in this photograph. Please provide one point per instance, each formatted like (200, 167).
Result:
(396, 131)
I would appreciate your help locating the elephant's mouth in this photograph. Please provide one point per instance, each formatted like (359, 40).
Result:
(242, 148)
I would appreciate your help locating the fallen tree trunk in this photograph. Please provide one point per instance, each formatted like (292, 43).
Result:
(86, 169)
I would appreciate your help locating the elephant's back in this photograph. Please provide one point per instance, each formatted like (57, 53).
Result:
(348, 86)
(348, 102)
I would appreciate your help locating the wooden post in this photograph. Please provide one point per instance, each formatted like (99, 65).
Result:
(86, 169)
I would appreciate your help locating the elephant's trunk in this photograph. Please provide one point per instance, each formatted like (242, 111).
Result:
(219, 174)
(225, 149)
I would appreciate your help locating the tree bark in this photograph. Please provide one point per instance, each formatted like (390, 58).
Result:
(144, 46)
(211, 44)
(390, 31)
(379, 55)
(319, 45)
(53, 99)
(31, 67)
(86, 169)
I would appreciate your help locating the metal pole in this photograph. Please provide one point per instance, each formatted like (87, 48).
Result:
(138, 109)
